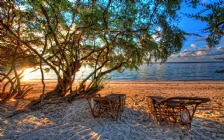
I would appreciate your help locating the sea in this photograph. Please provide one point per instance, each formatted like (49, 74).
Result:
(174, 71)
(169, 71)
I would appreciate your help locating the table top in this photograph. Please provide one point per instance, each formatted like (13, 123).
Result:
(179, 101)
(115, 96)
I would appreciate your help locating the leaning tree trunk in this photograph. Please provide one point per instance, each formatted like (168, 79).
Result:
(63, 84)
(61, 87)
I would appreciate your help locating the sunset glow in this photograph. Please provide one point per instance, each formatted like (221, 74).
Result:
(30, 74)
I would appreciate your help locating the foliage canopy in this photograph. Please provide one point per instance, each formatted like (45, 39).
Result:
(104, 35)
(213, 14)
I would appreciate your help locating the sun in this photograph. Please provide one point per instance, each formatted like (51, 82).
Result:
(28, 74)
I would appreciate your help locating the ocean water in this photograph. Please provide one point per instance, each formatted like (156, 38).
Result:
(170, 71)
(174, 71)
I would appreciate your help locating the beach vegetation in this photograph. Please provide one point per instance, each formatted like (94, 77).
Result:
(102, 35)
(211, 13)
(14, 58)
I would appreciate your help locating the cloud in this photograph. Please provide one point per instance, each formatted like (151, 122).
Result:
(199, 52)
(201, 39)
(193, 46)
(184, 54)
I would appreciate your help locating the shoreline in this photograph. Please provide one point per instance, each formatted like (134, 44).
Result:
(133, 81)
(190, 88)
(114, 81)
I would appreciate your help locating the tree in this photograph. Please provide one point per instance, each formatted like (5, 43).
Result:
(103, 35)
(12, 56)
(213, 14)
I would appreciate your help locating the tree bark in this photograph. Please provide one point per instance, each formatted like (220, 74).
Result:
(63, 84)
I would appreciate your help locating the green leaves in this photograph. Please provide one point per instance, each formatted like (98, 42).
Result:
(103, 35)
(213, 14)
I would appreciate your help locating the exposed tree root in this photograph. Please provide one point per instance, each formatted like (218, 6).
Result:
(40, 102)
(77, 95)
(53, 98)
(18, 112)
(5, 98)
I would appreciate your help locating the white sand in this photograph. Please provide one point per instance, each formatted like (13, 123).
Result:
(74, 120)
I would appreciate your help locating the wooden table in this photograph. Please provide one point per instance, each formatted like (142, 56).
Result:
(174, 109)
(110, 105)
(120, 98)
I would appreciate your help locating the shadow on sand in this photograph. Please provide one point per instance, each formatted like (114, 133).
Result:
(74, 121)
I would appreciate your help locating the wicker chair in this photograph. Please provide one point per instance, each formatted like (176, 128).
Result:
(104, 106)
(174, 110)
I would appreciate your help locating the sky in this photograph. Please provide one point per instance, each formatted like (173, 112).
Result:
(194, 48)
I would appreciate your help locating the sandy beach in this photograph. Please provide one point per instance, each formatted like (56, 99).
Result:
(74, 121)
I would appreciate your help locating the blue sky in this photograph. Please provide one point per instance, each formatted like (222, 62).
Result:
(195, 48)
